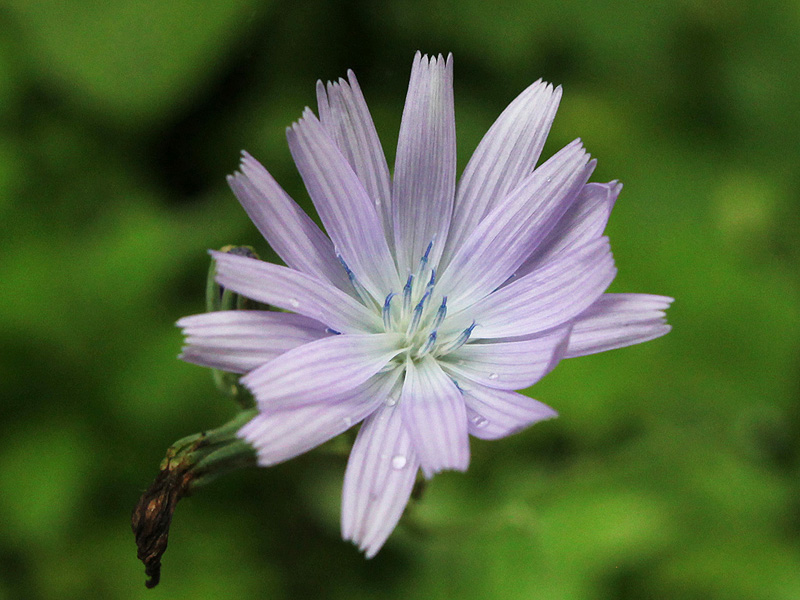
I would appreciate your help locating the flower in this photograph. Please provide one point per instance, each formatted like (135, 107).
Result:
(428, 302)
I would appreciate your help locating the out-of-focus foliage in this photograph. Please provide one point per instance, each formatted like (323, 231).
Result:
(674, 470)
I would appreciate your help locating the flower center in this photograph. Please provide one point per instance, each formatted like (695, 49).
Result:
(415, 315)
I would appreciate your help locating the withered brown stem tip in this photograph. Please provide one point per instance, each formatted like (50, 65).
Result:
(152, 515)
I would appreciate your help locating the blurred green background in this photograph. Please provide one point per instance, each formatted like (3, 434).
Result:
(673, 471)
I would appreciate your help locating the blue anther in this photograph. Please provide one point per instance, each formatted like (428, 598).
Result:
(427, 251)
(459, 341)
(407, 293)
(333, 331)
(423, 303)
(417, 316)
(423, 261)
(387, 310)
(432, 282)
(468, 331)
(346, 268)
(360, 289)
(429, 343)
(440, 314)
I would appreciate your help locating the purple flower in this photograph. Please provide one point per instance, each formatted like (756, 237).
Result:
(428, 302)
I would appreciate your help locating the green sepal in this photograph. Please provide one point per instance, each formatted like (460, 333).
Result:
(219, 298)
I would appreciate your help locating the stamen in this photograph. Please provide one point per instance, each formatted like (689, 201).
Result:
(423, 262)
(432, 282)
(387, 311)
(407, 293)
(426, 347)
(458, 342)
(417, 316)
(365, 296)
(423, 303)
(427, 251)
(344, 264)
(440, 314)
(333, 331)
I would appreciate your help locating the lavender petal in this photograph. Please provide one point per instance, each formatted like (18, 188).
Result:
(346, 210)
(495, 414)
(278, 435)
(508, 234)
(344, 114)
(425, 167)
(584, 222)
(434, 413)
(506, 155)
(618, 320)
(295, 291)
(290, 232)
(321, 369)
(508, 365)
(377, 484)
(546, 298)
(241, 340)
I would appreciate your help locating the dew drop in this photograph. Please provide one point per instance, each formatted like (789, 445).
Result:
(391, 401)
(294, 302)
(493, 376)
(479, 421)
(549, 179)
(347, 421)
(398, 462)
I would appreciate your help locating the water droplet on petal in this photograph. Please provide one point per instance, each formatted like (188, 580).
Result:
(398, 462)
(294, 302)
(549, 179)
(347, 421)
(479, 421)
(391, 401)
(493, 376)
